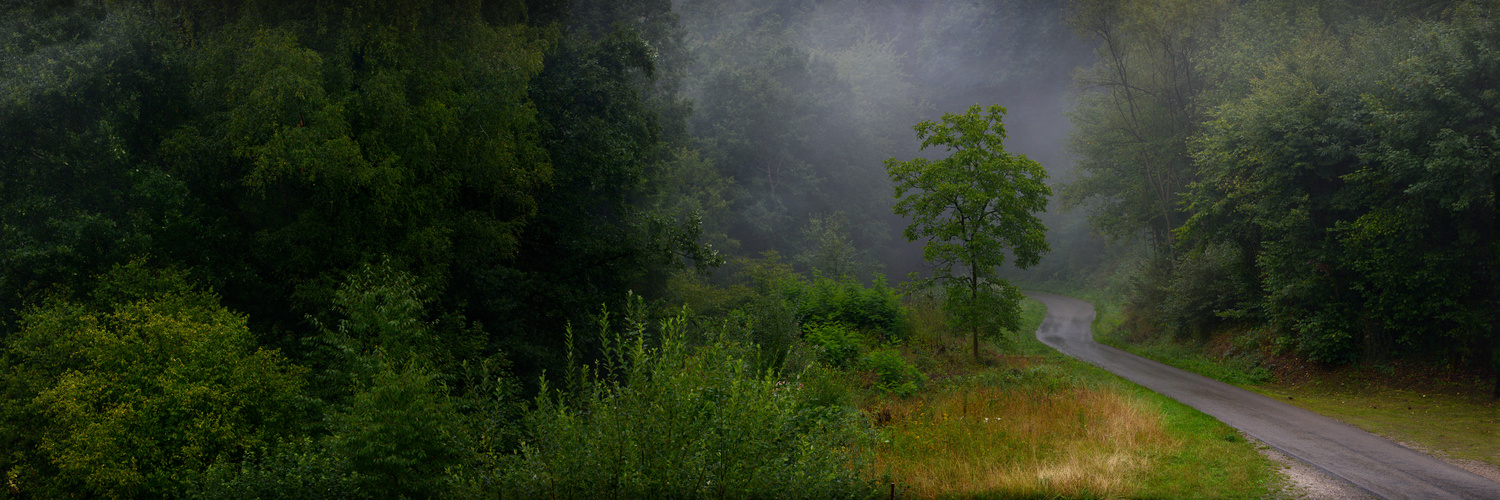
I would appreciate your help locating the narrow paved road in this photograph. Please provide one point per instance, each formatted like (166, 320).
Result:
(1383, 468)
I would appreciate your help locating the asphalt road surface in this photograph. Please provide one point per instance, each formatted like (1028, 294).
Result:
(1372, 463)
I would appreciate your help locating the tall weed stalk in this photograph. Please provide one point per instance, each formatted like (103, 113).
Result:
(671, 421)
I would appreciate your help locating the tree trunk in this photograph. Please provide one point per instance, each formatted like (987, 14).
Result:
(973, 300)
(973, 324)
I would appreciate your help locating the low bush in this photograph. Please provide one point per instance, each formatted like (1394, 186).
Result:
(894, 375)
(826, 386)
(302, 469)
(928, 323)
(667, 421)
(837, 345)
(875, 309)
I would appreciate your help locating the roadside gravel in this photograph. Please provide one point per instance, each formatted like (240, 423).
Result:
(1305, 482)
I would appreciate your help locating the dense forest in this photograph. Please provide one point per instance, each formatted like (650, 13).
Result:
(1321, 177)
(413, 248)
(553, 248)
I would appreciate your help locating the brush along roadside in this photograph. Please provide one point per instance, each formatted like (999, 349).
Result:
(1035, 424)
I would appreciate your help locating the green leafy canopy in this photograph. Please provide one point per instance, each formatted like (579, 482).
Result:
(976, 209)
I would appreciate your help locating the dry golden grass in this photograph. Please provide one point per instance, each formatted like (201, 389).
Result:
(1021, 441)
(1056, 428)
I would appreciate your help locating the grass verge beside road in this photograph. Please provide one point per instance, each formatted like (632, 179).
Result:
(1447, 424)
(1028, 422)
(1435, 411)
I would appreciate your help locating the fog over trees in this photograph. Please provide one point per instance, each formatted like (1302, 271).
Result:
(799, 102)
(1321, 176)
(239, 239)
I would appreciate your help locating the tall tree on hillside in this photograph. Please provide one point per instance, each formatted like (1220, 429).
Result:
(976, 209)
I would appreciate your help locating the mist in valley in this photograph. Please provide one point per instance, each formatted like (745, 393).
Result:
(800, 102)
(634, 248)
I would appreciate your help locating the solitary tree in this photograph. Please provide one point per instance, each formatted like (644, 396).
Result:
(975, 208)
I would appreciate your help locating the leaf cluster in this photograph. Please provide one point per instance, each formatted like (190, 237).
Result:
(975, 209)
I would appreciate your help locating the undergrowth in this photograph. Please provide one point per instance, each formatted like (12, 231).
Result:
(1029, 422)
(663, 420)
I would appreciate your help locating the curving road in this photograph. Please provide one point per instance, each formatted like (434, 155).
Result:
(1372, 463)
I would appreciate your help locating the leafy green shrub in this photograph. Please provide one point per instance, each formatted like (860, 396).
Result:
(669, 422)
(894, 375)
(838, 346)
(825, 386)
(301, 469)
(128, 397)
(393, 429)
(1325, 338)
(928, 323)
(400, 434)
(766, 312)
(380, 314)
(875, 309)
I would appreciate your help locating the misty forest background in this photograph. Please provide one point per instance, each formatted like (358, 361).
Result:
(354, 249)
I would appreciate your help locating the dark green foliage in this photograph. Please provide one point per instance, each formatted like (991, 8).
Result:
(294, 470)
(270, 147)
(275, 148)
(596, 234)
(139, 389)
(875, 309)
(393, 427)
(1341, 187)
(976, 211)
(657, 419)
(760, 307)
(779, 310)
(401, 435)
(837, 345)
(86, 93)
(894, 375)
(380, 317)
(1208, 288)
(335, 145)
(1359, 249)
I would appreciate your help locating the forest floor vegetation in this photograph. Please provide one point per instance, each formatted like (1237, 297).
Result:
(1028, 422)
